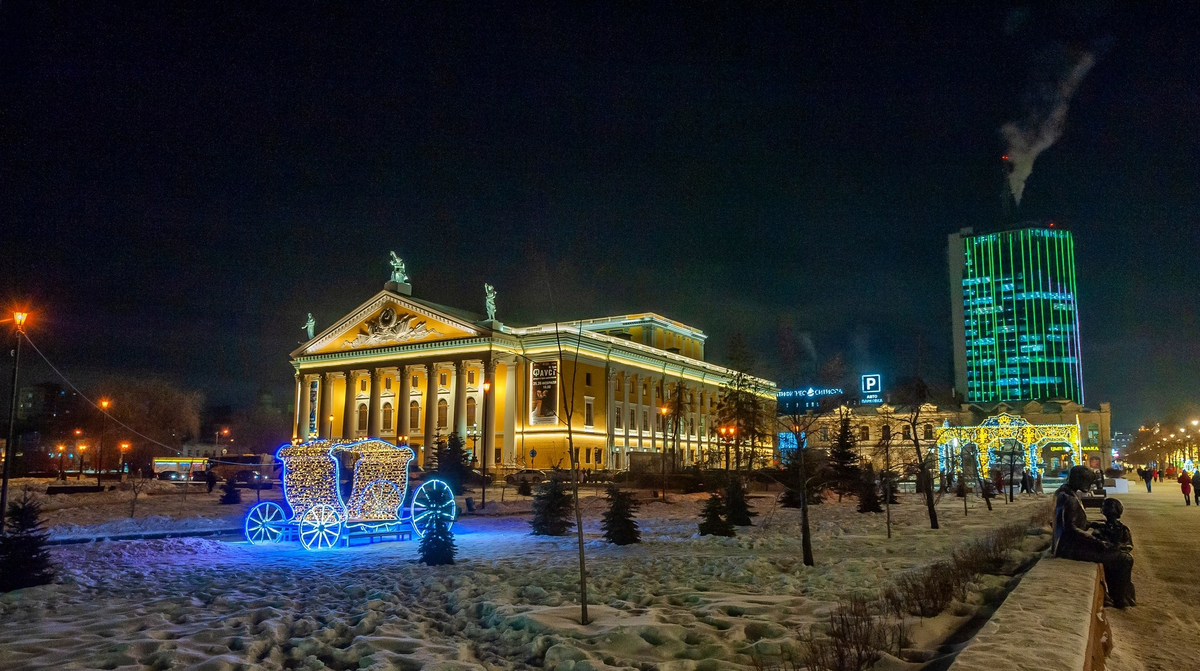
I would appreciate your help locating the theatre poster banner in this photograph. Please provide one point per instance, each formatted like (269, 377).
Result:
(543, 397)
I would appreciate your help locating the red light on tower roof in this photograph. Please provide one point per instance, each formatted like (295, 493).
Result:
(1005, 157)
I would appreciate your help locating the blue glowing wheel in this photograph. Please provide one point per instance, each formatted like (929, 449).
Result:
(320, 527)
(432, 499)
(265, 523)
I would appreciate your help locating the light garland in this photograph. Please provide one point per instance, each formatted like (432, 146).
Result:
(991, 433)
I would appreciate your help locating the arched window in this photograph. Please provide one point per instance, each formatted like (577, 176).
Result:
(927, 432)
(362, 416)
(414, 416)
(471, 411)
(387, 417)
(886, 432)
(864, 432)
(443, 410)
(906, 432)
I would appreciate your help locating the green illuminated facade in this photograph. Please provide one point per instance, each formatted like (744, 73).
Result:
(1016, 319)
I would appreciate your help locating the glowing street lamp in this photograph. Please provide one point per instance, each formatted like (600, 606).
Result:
(10, 447)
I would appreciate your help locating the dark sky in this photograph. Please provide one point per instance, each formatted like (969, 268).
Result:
(180, 183)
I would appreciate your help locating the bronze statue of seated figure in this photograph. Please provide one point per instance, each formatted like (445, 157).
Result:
(1072, 539)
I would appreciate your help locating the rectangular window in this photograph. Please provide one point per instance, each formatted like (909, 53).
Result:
(617, 419)
(632, 418)
(414, 382)
(645, 420)
(470, 377)
(362, 386)
(587, 456)
(598, 453)
(387, 383)
(589, 417)
(442, 379)
(587, 379)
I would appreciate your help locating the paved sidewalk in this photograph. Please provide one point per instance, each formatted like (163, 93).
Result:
(1162, 633)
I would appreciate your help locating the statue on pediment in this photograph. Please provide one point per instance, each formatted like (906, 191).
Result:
(310, 326)
(489, 298)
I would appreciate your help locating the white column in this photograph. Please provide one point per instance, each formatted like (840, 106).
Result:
(488, 428)
(402, 401)
(301, 401)
(373, 411)
(510, 413)
(460, 399)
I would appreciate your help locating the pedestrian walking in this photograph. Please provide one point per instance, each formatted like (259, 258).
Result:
(211, 479)
(1185, 484)
(1147, 475)
(1156, 475)
(1196, 487)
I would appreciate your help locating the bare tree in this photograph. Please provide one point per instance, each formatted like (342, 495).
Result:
(137, 484)
(566, 411)
(913, 395)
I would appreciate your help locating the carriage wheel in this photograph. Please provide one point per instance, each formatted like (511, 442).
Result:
(432, 499)
(320, 528)
(265, 523)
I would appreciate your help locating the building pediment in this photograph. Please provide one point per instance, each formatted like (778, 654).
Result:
(387, 320)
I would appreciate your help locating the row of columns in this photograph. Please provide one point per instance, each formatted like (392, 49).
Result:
(645, 409)
(455, 370)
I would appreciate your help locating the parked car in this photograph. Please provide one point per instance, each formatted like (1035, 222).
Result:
(531, 475)
(168, 475)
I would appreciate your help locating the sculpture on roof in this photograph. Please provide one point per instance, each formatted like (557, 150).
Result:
(310, 326)
(489, 299)
(399, 275)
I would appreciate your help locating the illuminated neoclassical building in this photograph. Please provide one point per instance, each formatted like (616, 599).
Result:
(400, 366)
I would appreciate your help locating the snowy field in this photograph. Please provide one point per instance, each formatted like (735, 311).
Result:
(676, 601)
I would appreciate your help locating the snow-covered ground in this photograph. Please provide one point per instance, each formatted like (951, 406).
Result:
(675, 601)
(1161, 633)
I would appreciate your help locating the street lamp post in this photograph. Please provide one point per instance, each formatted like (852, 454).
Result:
(663, 411)
(62, 452)
(104, 403)
(10, 447)
(124, 457)
(78, 445)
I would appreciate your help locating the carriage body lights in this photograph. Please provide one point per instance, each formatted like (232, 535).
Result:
(989, 437)
(312, 473)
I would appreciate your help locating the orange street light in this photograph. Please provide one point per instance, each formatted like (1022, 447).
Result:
(104, 403)
(19, 319)
(487, 386)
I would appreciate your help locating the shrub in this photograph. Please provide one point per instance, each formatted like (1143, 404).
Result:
(713, 522)
(24, 557)
(927, 591)
(437, 545)
(524, 488)
(231, 492)
(737, 511)
(618, 524)
(552, 509)
(854, 639)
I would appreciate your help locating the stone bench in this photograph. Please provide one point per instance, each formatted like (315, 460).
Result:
(1053, 620)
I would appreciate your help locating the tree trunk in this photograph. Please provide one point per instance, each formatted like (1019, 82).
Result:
(929, 503)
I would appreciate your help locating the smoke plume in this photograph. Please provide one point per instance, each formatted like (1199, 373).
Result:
(1063, 42)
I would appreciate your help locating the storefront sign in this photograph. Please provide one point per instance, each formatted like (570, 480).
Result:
(543, 393)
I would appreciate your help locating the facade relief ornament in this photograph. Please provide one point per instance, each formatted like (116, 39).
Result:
(391, 328)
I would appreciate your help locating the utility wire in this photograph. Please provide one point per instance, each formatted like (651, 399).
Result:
(90, 401)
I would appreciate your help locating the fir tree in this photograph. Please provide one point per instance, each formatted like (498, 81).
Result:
(737, 511)
(868, 495)
(437, 545)
(713, 522)
(232, 493)
(24, 558)
(843, 461)
(889, 482)
(453, 463)
(524, 488)
(814, 488)
(552, 509)
(617, 523)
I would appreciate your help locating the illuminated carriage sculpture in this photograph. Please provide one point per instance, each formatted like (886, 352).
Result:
(320, 517)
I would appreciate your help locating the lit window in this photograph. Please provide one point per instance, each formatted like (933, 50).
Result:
(471, 411)
(864, 432)
(906, 432)
(927, 432)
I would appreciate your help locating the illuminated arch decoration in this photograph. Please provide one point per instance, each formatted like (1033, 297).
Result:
(990, 435)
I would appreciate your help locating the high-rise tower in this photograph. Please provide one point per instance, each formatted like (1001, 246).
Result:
(1015, 314)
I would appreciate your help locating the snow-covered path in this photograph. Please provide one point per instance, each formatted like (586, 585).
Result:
(1161, 633)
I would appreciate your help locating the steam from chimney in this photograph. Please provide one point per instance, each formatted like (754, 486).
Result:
(1042, 124)
(1061, 42)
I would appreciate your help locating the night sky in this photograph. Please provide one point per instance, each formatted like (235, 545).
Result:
(181, 183)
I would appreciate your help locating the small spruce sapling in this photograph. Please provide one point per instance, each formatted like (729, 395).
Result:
(737, 511)
(24, 557)
(437, 545)
(524, 489)
(552, 509)
(868, 494)
(618, 523)
(713, 522)
(231, 493)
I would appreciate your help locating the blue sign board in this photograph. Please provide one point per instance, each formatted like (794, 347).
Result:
(791, 401)
(872, 389)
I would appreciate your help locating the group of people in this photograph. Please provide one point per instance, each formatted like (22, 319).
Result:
(1189, 483)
